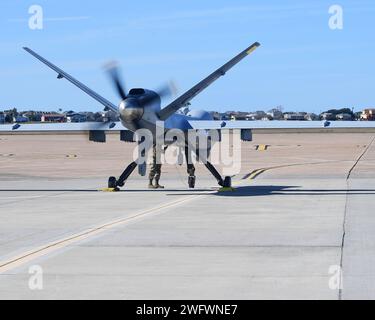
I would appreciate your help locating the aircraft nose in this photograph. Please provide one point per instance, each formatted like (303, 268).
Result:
(130, 110)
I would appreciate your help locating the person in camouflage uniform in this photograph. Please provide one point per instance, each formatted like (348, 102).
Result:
(190, 168)
(155, 170)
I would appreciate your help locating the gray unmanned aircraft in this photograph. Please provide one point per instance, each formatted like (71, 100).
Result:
(141, 109)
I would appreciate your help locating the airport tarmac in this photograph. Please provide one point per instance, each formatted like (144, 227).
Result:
(283, 234)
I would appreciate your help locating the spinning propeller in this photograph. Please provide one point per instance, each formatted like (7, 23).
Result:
(113, 71)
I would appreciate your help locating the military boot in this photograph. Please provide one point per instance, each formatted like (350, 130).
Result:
(150, 185)
(157, 185)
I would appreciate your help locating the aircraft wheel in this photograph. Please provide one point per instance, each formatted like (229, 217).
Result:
(112, 183)
(191, 181)
(227, 182)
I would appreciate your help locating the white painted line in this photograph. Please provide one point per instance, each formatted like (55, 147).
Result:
(38, 252)
(21, 197)
(25, 257)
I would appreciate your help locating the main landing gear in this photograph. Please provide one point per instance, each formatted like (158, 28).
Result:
(224, 183)
(191, 182)
(114, 183)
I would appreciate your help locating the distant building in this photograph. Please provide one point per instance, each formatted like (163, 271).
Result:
(109, 116)
(52, 117)
(70, 112)
(344, 117)
(33, 115)
(275, 114)
(338, 114)
(2, 118)
(90, 116)
(328, 116)
(257, 115)
(312, 117)
(219, 115)
(76, 117)
(368, 115)
(295, 116)
(235, 117)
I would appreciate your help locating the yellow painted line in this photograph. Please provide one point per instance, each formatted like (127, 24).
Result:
(255, 173)
(28, 256)
(107, 189)
(25, 257)
(251, 49)
(262, 147)
(252, 175)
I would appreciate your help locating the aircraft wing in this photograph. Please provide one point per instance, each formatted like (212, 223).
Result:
(259, 124)
(63, 74)
(95, 130)
(246, 127)
(194, 91)
(55, 127)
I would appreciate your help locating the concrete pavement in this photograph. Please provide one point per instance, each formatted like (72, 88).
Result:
(276, 237)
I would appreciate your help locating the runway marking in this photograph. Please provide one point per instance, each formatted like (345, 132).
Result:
(261, 147)
(255, 173)
(20, 197)
(23, 258)
(107, 189)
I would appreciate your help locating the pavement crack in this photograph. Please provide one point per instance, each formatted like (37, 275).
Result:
(343, 238)
(359, 159)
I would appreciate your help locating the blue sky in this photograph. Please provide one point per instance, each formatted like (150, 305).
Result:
(301, 65)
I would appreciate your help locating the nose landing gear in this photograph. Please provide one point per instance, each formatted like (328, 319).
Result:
(112, 183)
